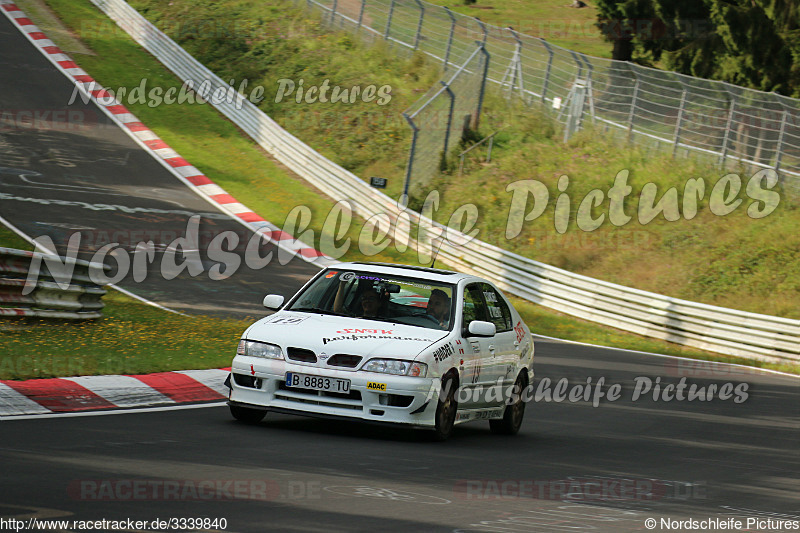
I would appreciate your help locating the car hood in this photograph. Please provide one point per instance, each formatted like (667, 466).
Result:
(327, 335)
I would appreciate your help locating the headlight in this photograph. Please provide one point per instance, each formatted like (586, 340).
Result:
(259, 349)
(399, 368)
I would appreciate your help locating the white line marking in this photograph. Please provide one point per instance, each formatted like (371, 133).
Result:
(750, 368)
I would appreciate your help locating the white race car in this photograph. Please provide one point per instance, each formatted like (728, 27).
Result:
(423, 347)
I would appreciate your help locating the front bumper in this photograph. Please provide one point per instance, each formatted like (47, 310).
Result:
(404, 400)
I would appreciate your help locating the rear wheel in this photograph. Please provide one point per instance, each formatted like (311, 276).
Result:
(514, 413)
(446, 410)
(247, 415)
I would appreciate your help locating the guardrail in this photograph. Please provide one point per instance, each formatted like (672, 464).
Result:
(702, 326)
(81, 300)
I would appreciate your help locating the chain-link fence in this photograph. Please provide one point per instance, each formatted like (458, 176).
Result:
(667, 110)
(440, 118)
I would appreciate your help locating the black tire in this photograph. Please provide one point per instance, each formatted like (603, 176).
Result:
(446, 408)
(247, 415)
(514, 413)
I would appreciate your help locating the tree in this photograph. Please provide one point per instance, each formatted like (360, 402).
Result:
(754, 43)
(624, 21)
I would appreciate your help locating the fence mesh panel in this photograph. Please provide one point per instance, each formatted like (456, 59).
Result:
(440, 117)
(729, 124)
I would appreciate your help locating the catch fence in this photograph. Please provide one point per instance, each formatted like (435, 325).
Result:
(682, 114)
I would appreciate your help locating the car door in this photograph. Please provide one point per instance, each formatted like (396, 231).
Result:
(506, 350)
(478, 373)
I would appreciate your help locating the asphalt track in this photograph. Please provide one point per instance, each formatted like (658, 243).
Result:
(573, 467)
(626, 461)
(120, 193)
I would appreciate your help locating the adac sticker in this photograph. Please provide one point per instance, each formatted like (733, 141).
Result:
(376, 386)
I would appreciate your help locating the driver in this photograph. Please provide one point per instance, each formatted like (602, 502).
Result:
(439, 307)
(370, 303)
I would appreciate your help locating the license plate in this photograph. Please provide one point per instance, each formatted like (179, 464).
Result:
(306, 381)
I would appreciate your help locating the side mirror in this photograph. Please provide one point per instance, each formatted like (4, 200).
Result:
(479, 328)
(273, 301)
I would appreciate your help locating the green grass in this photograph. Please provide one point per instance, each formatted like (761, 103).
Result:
(529, 148)
(132, 338)
(552, 20)
(9, 239)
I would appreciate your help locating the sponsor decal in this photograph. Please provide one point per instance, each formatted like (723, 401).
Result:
(367, 330)
(376, 386)
(476, 346)
(331, 274)
(443, 352)
(410, 284)
(520, 331)
(525, 350)
(460, 349)
(326, 340)
(346, 276)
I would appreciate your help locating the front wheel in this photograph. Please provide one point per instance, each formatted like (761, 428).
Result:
(247, 415)
(514, 413)
(446, 410)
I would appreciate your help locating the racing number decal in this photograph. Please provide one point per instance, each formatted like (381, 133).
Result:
(477, 374)
(287, 320)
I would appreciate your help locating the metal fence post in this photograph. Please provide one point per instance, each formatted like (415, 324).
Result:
(516, 65)
(578, 63)
(409, 168)
(452, 96)
(678, 124)
(419, 24)
(547, 70)
(333, 11)
(726, 136)
(575, 112)
(632, 112)
(781, 134)
(361, 15)
(389, 20)
(589, 88)
(484, 29)
(450, 37)
(485, 75)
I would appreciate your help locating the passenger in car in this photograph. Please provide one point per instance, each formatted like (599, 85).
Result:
(439, 307)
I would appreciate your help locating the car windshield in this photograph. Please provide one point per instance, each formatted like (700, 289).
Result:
(396, 299)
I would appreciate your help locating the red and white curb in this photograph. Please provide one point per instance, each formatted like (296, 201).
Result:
(149, 141)
(92, 393)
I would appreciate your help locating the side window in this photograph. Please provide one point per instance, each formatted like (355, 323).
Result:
(474, 307)
(497, 308)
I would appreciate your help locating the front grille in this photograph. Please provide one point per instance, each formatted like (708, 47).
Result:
(350, 401)
(344, 360)
(301, 354)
